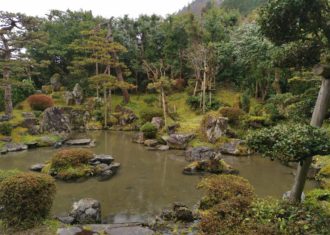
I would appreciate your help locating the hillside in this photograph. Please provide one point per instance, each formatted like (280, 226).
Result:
(244, 7)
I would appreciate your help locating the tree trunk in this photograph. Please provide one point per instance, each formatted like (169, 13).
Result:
(164, 105)
(105, 108)
(120, 77)
(204, 89)
(118, 69)
(319, 114)
(276, 84)
(8, 92)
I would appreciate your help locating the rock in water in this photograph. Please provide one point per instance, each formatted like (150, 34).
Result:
(86, 211)
(55, 121)
(78, 94)
(37, 167)
(200, 153)
(79, 142)
(179, 141)
(235, 147)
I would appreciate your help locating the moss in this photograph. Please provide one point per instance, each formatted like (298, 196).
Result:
(72, 173)
(94, 125)
(319, 198)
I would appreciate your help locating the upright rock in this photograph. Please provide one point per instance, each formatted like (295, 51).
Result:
(78, 94)
(214, 127)
(69, 98)
(86, 211)
(55, 82)
(158, 122)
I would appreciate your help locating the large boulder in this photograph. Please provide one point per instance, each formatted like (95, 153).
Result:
(179, 141)
(78, 94)
(86, 211)
(214, 127)
(235, 147)
(200, 153)
(55, 121)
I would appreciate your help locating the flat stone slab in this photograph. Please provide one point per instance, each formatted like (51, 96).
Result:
(13, 147)
(102, 158)
(79, 142)
(107, 229)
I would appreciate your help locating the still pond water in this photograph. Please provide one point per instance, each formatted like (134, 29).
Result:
(147, 181)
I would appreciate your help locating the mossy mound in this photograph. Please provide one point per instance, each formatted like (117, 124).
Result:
(214, 166)
(26, 199)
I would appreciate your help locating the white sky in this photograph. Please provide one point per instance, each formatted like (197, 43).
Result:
(105, 8)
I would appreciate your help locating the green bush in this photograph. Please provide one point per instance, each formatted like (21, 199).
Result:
(193, 102)
(245, 102)
(6, 128)
(149, 130)
(5, 174)
(27, 199)
(228, 199)
(70, 158)
(290, 142)
(273, 112)
(299, 85)
(150, 99)
(233, 114)
(40, 102)
(146, 115)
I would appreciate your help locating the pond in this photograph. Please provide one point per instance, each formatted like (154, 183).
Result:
(147, 181)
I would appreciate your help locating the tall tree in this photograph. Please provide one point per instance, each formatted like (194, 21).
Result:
(16, 32)
(301, 22)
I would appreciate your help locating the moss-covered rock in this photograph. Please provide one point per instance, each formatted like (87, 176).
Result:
(214, 166)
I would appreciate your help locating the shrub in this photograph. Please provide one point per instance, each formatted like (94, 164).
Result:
(245, 102)
(273, 112)
(40, 102)
(27, 199)
(193, 102)
(233, 114)
(149, 130)
(290, 142)
(70, 158)
(256, 121)
(298, 85)
(146, 115)
(150, 99)
(228, 198)
(5, 174)
(6, 128)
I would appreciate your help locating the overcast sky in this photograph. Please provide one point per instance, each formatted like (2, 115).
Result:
(105, 8)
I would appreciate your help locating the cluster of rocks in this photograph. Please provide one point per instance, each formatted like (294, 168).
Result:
(178, 212)
(102, 166)
(4, 118)
(87, 211)
(206, 160)
(123, 119)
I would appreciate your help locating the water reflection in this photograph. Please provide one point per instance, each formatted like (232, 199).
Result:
(147, 181)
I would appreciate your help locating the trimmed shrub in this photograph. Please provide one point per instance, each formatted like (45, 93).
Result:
(6, 128)
(71, 158)
(146, 115)
(40, 102)
(290, 143)
(27, 199)
(227, 201)
(149, 130)
(233, 114)
(5, 174)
